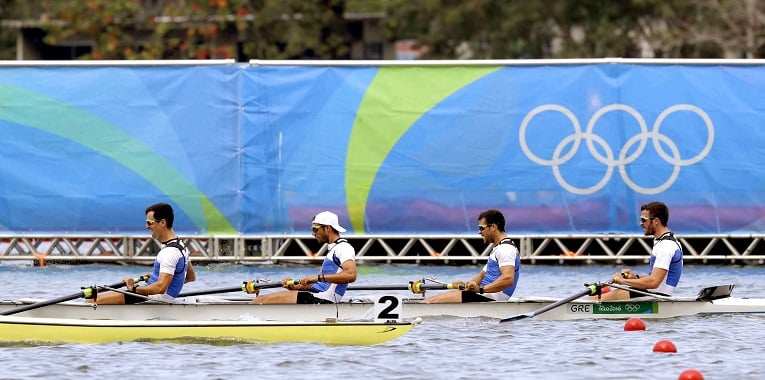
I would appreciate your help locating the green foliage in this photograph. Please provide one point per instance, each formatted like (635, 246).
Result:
(450, 29)
(506, 29)
(200, 29)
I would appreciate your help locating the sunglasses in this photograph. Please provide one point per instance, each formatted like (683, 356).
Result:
(482, 227)
(151, 222)
(316, 227)
(644, 219)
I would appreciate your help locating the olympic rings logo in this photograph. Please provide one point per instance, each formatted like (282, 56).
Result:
(631, 307)
(672, 158)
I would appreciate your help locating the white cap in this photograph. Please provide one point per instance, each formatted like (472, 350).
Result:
(328, 218)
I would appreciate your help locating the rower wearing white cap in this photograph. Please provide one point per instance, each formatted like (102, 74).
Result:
(337, 270)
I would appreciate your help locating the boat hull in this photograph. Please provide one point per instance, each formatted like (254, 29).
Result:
(63, 330)
(366, 310)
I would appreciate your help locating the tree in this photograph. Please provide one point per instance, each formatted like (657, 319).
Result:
(711, 29)
(198, 29)
(499, 29)
(451, 29)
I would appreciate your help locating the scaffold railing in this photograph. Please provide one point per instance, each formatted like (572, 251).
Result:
(370, 249)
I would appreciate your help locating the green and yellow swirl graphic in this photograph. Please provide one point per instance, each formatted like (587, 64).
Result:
(396, 98)
(72, 123)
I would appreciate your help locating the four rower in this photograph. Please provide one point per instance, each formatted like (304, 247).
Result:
(496, 281)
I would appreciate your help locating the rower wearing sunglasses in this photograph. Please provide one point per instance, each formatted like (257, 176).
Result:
(665, 264)
(337, 270)
(172, 266)
(498, 278)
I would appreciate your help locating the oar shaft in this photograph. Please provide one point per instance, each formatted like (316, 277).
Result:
(239, 288)
(378, 287)
(561, 302)
(591, 289)
(55, 300)
(398, 287)
(211, 291)
(639, 291)
(294, 282)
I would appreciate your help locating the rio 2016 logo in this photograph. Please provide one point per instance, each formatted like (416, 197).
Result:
(609, 159)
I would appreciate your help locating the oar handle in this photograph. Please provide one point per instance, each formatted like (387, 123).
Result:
(90, 292)
(252, 287)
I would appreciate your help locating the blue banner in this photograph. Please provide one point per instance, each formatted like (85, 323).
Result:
(241, 149)
(86, 149)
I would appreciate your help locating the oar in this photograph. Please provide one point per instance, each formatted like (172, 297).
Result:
(592, 289)
(416, 287)
(87, 292)
(251, 287)
(643, 292)
(247, 286)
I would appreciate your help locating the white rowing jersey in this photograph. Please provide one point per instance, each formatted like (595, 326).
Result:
(339, 252)
(668, 255)
(503, 254)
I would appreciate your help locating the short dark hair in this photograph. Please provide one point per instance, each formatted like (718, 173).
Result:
(657, 210)
(162, 211)
(494, 217)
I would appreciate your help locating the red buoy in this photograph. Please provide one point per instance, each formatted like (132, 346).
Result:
(634, 324)
(664, 346)
(690, 374)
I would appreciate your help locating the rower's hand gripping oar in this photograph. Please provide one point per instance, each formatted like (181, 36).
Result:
(86, 292)
(592, 289)
(250, 287)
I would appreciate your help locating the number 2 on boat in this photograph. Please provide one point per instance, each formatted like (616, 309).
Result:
(388, 308)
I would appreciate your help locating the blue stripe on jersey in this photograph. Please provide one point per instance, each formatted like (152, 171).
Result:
(179, 277)
(675, 267)
(331, 265)
(493, 272)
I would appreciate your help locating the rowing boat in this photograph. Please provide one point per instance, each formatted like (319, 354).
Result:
(379, 308)
(15, 329)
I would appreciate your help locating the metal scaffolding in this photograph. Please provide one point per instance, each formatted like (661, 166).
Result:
(371, 249)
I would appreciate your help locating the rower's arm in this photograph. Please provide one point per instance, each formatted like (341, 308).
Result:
(191, 275)
(651, 281)
(505, 279)
(473, 284)
(478, 278)
(345, 276)
(158, 287)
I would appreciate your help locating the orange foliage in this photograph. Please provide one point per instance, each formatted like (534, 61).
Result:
(202, 54)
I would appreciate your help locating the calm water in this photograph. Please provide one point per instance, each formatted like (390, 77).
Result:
(721, 347)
